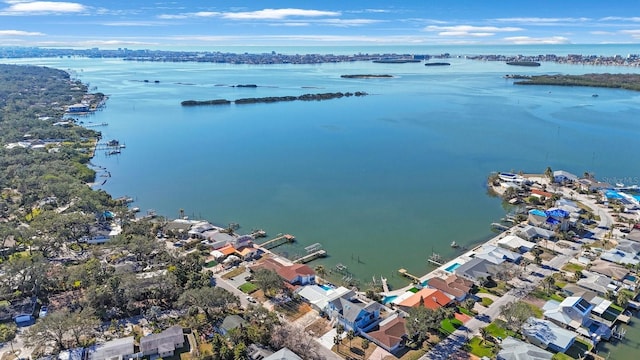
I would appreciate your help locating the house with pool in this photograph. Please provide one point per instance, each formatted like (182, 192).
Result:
(353, 313)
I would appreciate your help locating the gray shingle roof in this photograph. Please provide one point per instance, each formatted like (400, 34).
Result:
(164, 341)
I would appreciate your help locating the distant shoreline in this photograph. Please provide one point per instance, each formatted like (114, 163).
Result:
(274, 99)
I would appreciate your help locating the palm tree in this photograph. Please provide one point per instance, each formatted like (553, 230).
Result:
(350, 335)
(320, 270)
(548, 282)
(484, 334)
(548, 173)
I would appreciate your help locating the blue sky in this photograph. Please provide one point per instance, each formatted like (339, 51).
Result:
(158, 24)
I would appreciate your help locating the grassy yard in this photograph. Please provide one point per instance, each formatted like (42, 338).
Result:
(497, 329)
(542, 294)
(480, 349)
(248, 287)
(486, 302)
(450, 325)
(561, 356)
(465, 311)
(571, 267)
(235, 272)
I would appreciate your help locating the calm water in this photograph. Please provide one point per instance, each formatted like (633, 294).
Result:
(380, 181)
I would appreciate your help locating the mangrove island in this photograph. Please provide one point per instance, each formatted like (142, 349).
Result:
(616, 81)
(273, 99)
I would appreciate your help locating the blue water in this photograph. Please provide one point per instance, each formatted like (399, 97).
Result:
(326, 287)
(452, 267)
(630, 278)
(380, 181)
(538, 212)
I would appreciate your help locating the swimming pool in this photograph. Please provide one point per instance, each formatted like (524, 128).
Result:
(452, 267)
(326, 287)
(630, 278)
(388, 299)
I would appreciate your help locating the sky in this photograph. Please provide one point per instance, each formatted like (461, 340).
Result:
(165, 24)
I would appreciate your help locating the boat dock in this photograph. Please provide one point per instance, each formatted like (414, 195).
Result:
(405, 273)
(90, 125)
(435, 259)
(385, 286)
(499, 226)
(277, 241)
(309, 257)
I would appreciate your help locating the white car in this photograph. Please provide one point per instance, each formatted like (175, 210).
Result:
(43, 311)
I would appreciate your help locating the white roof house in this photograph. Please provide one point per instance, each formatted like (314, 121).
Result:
(319, 297)
(514, 349)
(117, 349)
(545, 334)
(496, 254)
(516, 243)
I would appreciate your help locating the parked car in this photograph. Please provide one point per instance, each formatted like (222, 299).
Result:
(43, 311)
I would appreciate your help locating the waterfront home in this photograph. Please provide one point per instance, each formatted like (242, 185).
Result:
(391, 334)
(497, 255)
(453, 285)
(163, 344)
(600, 284)
(575, 313)
(229, 323)
(354, 314)
(533, 233)
(569, 206)
(477, 268)
(514, 349)
(562, 177)
(541, 194)
(294, 274)
(318, 297)
(114, 349)
(283, 354)
(247, 253)
(614, 271)
(547, 335)
(618, 256)
(516, 243)
(430, 298)
(591, 185)
(78, 108)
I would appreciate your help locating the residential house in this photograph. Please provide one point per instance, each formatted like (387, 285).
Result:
(391, 334)
(117, 349)
(533, 233)
(247, 253)
(632, 247)
(497, 255)
(231, 322)
(574, 313)
(477, 268)
(294, 274)
(614, 271)
(618, 256)
(163, 344)
(453, 285)
(430, 298)
(516, 243)
(561, 177)
(353, 314)
(318, 297)
(21, 311)
(283, 354)
(72, 354)
(541, 194)
(547, 335)
(600, 284)
(514, 349)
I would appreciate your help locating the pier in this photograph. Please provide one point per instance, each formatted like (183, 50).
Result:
(309, 257)
(90, 125)
(499, 226)
(277, 241)
(405, 273)
(435, 259)
(385, 286)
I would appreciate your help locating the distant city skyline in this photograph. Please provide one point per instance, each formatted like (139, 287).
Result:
(189, 23)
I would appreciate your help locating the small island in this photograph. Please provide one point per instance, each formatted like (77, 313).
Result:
(437, 64)
(396, 61)
(616, 81)
(523, 63)
(273, 99)
(366, 76)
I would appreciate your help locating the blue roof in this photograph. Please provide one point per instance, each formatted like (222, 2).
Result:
(611, 194)
(557, 213)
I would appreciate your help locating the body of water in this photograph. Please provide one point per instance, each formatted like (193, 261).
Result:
(380, 181)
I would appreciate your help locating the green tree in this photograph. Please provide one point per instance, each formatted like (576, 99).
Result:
(515, 314)
(420, 321)
(8, 334)
(214, 302)
(548, 172)
(548, 282)
(484, 335)
(350, 335)
(240, 352)
(365, 344)
(268, 281)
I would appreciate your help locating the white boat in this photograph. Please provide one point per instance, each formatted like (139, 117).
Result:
(620, 185)
(454, 244)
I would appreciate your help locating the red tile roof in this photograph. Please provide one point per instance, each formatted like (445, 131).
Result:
(287, 272)
(430, 298)
(452, 285)
(541, 193)
(391, 333)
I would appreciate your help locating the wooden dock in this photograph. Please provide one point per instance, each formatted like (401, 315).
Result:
(405, 273)
(277, 241)
(309, 257)
(499, 226)
(385, 286)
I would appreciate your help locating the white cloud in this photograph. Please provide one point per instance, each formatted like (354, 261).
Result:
(19, 33)
(41, 7)
(133, 23)
(291, 23)
(277, 14)
(634, 33)
(619, 18)
(265, 14)
(601, 33)
(540, 21)
(348, 22)
(526, 40)
(469, 30)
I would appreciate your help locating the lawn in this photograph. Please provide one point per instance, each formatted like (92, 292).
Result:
(477, 348)
(211, 264)
(497, 330)
(571, 267)
(486, 302)
(235, 272)
(542, 294)
(561, 356)
(248, 287)
(465, 311)
(450, 325)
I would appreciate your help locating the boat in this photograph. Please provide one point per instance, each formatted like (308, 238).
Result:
(619, 185)
(437, 64)
(594, 95)
(454, 244)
